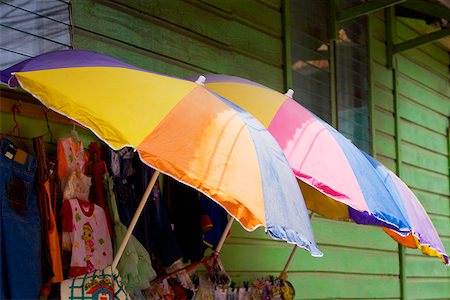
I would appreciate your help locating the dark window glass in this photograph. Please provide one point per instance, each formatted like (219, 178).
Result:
(311, 73)
(352, 82)
(310, 56)
(32, 27)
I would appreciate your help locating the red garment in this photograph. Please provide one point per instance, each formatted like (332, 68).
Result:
(97, 168)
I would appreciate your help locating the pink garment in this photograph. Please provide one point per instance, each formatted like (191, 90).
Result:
(89, 236)
(71, 157)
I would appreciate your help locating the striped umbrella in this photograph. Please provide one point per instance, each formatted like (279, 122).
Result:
(336, 179)
(179, 128)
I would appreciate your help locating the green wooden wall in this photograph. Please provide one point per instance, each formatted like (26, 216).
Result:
(244, 38)
(423, 104)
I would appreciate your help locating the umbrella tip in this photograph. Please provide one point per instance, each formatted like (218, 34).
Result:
(290, 93)
(201, 80)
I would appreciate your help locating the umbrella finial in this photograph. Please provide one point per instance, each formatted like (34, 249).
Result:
(201, 80)
(290, 93)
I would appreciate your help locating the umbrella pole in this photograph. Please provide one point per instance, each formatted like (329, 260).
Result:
(283, 273)
(136, 216)
(224, 235)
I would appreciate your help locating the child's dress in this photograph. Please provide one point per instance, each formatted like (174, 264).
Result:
(89, 236)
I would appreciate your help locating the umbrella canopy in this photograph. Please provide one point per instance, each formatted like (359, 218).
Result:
(423, 235)
(179, 128)
(336, 179)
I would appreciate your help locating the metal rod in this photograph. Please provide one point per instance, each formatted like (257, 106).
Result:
(224, 235)
(291, 256)
(133, 222)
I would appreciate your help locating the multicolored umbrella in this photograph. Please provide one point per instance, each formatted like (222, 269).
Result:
(179, 128)
(422, 235)
(336, 179)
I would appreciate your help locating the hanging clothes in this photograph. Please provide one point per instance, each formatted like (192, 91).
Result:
(43, 202)
(47, 202)
(213, 221)
(161, 232)
(96, 168)
(89, 236)
(135, 265)
(20, 225)
(78, 185)
(70, 154)
(186, 209)
(127, 185)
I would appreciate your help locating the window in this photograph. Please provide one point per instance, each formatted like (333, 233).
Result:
(32, 27)
(352, 80)
(310, 36)
(310, 56)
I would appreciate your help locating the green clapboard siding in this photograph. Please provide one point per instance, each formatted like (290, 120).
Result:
(424, 106)
(148, 31)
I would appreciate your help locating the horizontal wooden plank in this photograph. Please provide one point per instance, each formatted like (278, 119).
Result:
(330, 233)
(388, 162)
(385, 144)
(167, 40)
(422, 137)
(275, 4)
(425, 61)
(381, 75)
(31, 127)
(425, 96)
(423, 115)
(133, 55)
(378, 27)
(433, 203)
(240, 257)
(384, 121)
(213, 25)
(316, 285)
(383, 97)
(349, 234)
(378, 51)
(409, 70)
(252, 13)
(407, 30)
(426, 266)
(338, 286)
(425, 159)
(428, 288)
(442, 225)
(425, 180)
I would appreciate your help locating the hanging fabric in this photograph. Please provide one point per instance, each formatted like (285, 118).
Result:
(50, 237)
(135, 266)
(90, 242)
(96, 169)
(20, 240)
(70, 157)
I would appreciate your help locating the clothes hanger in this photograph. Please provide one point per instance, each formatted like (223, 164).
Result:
(15, 134)
(74, 134)
(49, 131)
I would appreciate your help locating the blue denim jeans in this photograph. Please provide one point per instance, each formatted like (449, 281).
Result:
(20, 227)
